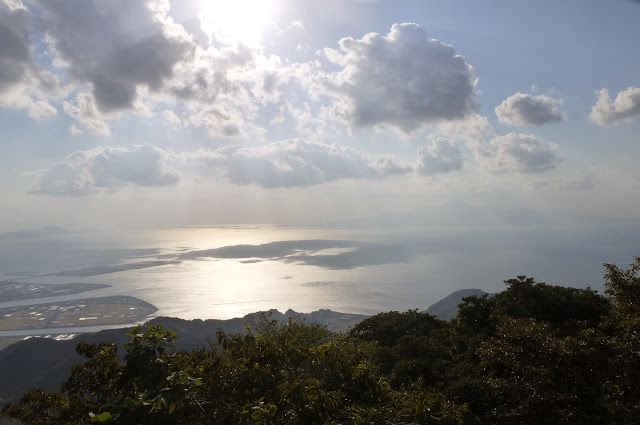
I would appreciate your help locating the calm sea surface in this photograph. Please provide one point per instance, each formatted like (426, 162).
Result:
(225, 272)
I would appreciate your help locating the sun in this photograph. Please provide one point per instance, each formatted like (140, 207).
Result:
(234, 21)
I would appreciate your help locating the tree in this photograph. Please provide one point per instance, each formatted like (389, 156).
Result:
(291, 374)
(387, 328)
(539, 376)
(623, 327)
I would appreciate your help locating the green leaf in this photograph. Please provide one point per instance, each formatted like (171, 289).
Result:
(272, 410)
(102, 417)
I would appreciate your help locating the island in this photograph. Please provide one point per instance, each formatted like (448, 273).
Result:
(112, 310)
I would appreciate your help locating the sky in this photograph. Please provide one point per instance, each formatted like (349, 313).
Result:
(132, 113)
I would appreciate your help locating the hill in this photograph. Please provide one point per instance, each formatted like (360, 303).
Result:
(531, 354)
(447, 308)
(45, 363)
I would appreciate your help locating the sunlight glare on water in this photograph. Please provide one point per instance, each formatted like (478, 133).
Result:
(230, 271)
(224, 288)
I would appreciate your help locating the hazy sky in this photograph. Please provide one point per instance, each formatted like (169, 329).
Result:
(157, 113)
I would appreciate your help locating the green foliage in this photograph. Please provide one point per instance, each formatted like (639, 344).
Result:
(293, 373)
(569, 309)
(623, 288)
(559, 306)
(623, 328)
(387, 328)
(540, 376)
(532, 354)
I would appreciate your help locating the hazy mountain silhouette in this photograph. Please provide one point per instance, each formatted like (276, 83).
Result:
(447, 308)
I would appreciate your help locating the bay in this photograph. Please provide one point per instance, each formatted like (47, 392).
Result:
(229, 271)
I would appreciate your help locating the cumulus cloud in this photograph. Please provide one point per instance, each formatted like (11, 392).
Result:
(522, 110)
(15, 44)
(219, 120)
(296, 163)
(472, 132)
(623, 108)
(84, 109)
(116, 46)
(225, 87)
(523, 153)
(473, 127)
(403, 79)
(131, 56)
(441, 156)
(23, 83)
(385, 165)
(40, 109)
(172, 120)
(86, 172)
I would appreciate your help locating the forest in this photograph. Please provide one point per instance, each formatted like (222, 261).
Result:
(533, 353)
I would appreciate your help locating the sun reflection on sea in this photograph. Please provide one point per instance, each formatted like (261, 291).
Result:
(229, 271)
(224, 288)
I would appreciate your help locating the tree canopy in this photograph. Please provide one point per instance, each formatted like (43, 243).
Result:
(532, 354)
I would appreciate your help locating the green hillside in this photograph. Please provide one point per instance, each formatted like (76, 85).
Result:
(531, 354)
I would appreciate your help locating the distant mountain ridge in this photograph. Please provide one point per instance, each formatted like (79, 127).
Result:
(45, 363)
(447, 308)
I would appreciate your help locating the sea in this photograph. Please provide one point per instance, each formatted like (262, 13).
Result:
(222, 272)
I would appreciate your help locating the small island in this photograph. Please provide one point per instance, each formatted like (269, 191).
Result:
(113, 310)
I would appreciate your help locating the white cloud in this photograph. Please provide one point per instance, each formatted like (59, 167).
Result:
(384, 165)
(23, 83)
(225, 88)
(522, 110)
(109, 168)
(404, 80)
(523, 153)
(84, 109)
(128, 56)
(472, 132)
(473, 127)
(171, 119)
(623, 108)
(292, 26)
(309, 122)
(115, 46)
(218, 120)
(131, 56)
(303, 47)
(441, 156)
(15, 45)
(74, 130)
(41, 109)
(295, 163)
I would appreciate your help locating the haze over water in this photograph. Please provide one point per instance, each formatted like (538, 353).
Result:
(226, 272)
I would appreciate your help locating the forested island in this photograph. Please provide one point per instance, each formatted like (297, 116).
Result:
(532, 354)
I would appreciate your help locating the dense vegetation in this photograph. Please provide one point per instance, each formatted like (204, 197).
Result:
(531, 354)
